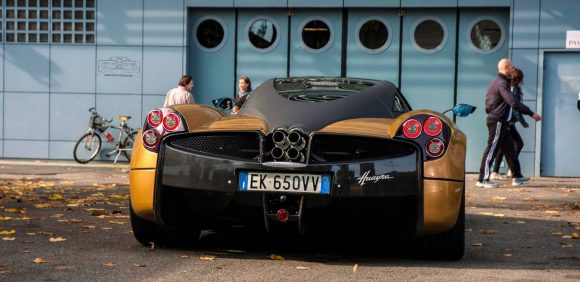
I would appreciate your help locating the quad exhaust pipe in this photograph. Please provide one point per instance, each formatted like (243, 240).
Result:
(288, 146)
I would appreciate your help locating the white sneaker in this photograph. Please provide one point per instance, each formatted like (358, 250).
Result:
(497, 176)
(509, 173)
(486, 184)
(520, 181)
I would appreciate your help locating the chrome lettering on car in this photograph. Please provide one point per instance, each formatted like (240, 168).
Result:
(376, 178)
(283, 164)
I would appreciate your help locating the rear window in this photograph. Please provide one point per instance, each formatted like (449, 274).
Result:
(319, 90)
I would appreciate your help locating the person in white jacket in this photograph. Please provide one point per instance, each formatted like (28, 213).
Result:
(181, 94)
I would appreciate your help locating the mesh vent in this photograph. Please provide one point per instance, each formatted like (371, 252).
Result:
(241, 146)
(329, 148)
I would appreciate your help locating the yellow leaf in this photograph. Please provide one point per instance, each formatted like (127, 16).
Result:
(55, 197)
(498, 198)
(14, 211)
(567, 246)
(7, 232)
(486, 213)
(5, 218)
(73, 205)
(354, 268)
(8, 238)
(302, 267)
(57, 239)
(89, 226)
(575, 236)
(566, 237)
(117, 222)
(557, 233)
(109, 264)
(276, 257)
(207, 258)
(39, 260)
(43, 206)
(521, 221)
(551, 211)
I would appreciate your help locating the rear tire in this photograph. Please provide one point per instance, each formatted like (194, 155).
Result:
(87, 148)
(128, 144)
(449, 245)
(148, 232)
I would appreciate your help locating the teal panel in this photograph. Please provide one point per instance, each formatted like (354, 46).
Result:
(162, 68)
(315, 4)
(2, 67)
(558, 16)
(382, 63)
(527, 61)
(72, 108)
(110, 105)
(372, 3)
(213, 3)
(68, 76)
(526, 24)
(61, 150)
(428, 3)
(212, 69)
(33, 125)
(262, 64)
(1, 116)
(475, 70)
(26, 67)
(486, 3)
(304, 61)
(427, 78)
(120, 22)
(560, 120)
(163, 22)
(260, 3)
(25, 149)
(119, 69)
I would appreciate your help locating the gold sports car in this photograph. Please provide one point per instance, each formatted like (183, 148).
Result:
(304, 154)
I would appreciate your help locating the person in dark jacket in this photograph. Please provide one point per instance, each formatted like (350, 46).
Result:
(517, 78)
(499, 105)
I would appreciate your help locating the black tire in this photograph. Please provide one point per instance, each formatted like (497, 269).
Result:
(87, 148)
(447, 246)
(128, 144)
(148, 232)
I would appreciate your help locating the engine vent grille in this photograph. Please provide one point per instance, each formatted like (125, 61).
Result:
(235, 145)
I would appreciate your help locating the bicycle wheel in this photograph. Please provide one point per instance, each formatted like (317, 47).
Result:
(87, 148)
(128, 144)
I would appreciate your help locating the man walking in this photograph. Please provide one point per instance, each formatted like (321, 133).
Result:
(499, 104)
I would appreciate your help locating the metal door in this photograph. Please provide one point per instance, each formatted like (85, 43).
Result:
(483, 42)
(211, 53)
(316, 42)
(560, 116)
(262, 44)
(373, 44)
(428, 61)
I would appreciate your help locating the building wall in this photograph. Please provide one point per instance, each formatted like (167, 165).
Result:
(47, 87)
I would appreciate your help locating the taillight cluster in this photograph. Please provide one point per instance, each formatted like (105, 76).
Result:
(429, 132)
(160, 122)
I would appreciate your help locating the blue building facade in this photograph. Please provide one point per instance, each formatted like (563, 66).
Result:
(61, 57)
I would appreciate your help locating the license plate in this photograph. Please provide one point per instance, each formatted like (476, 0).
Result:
(284, 182)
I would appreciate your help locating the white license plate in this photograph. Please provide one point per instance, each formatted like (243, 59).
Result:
(284, 182)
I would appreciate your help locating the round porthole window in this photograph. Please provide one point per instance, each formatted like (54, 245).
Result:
(262, 34)
(373, 35)
(210, 34)
(486, 35)
(429, 35)
(316, 34)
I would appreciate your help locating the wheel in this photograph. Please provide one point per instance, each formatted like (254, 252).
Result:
(449, 245)
(148, 232)
(128, 144)
(87, 148)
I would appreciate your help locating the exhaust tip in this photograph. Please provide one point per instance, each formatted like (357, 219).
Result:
(277, 153)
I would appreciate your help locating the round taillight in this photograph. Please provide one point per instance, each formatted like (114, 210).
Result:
(150, 138)
(171, 122)
(412, 128)
(154, 118)
(433, 126)
(434, 148)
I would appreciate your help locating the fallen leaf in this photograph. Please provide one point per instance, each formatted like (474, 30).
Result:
(57, 239)
(521, 222)
(507, 255)
(139, 265)
(5, 218)
(468, 230)
(276, 257)
(55, 197)
(15, 210)
(106, 228)
(302, 267)
(557, 233)
(207, 258)
(117, 222)
(39, 260)
(8, 238)
(552, 211)
(109, 264)
(575, 236)
(7, 232)
(478, 244)
(355, 268)
(497, 198)
(89, 226)
(566, 245)
(184, 256)
(30, 233)
(487, 231)
(43, 206)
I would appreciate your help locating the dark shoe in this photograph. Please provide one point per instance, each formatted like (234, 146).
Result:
(520, 181)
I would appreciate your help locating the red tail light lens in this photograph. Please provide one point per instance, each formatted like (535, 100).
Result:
(154, 118)
(171, 122)
(150, 138)
(434, 148)
(412, 128)
(433, 126)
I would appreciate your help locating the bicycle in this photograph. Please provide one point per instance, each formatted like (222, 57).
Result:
(89, 145)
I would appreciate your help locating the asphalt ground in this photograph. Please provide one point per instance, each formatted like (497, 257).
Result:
(61, 221)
